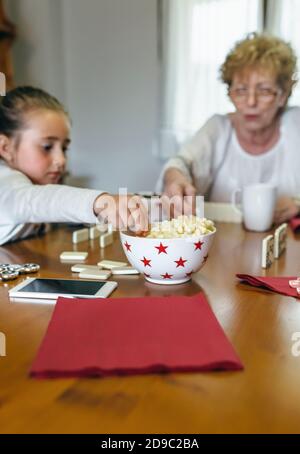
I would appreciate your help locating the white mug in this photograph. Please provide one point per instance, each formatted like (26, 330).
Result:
(258, 205)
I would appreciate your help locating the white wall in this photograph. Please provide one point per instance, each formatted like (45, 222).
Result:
(100, 58)
(38, 50)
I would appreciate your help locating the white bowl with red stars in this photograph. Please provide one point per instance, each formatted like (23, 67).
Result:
(167, 260)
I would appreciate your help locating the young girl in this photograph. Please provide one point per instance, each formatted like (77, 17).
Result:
(34, 138)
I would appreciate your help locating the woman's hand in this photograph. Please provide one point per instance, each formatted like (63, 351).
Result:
(179, 195)
(122, 211)
(285, 210)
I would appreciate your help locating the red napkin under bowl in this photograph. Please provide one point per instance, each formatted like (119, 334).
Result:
(101, 337)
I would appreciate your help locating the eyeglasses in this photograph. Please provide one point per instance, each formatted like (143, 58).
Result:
(263, 94)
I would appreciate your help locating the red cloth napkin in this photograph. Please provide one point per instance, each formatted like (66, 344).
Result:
(276, 284)
(133, 336)
(295, 224)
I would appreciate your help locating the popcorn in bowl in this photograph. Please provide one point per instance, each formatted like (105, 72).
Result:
(172, 250)
(181, 227)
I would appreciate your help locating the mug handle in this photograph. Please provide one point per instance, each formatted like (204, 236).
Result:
(234, 203)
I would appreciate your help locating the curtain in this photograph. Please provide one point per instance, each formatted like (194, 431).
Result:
(197, 35)
(283, 17)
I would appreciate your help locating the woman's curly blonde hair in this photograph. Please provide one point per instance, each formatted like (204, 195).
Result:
(265, 52)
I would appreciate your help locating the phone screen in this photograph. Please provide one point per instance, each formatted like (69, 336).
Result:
(63, 286)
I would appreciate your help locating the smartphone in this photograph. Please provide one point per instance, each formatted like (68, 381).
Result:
(48, 290)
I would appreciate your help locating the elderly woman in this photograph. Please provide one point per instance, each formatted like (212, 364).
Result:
(258, 143)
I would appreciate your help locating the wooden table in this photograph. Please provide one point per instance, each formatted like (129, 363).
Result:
(265, 397)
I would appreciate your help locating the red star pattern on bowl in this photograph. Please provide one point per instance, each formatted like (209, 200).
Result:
(167, 260)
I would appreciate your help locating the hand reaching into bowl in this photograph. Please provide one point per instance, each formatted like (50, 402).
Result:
(124, 212)
(179, 195)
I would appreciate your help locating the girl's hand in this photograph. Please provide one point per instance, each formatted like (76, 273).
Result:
(285, 210)
(122, 211)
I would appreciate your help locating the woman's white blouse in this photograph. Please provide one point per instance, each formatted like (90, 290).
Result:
(217, 165)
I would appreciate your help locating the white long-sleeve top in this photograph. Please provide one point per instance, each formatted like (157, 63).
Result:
(24, 205)
(216, 164)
